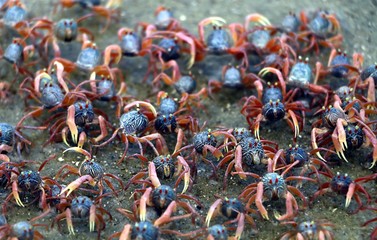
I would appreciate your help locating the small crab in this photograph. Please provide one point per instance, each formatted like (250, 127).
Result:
(322, 30)
(89, 171)
(343, 184)
(132, 124)
(82, 207)
(272, 107)
(273, 186)
(10, 138)
(306, 230)
(234, 210)
(17, 53)
(20, 230)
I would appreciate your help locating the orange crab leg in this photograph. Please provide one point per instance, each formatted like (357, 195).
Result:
(337, 145)
(217, 21)
(59, 73)
(295, 122)
(256, 17)
(109, 52)
(240, 225)
(350, 192)
(314, 143)
(16, 196)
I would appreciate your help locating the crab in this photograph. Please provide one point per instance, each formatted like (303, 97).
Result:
(338, 124)
(318, 229)
(160, 197)
(343, 184)
(30, 186)
(219, 41)
(273, 186)
(248, 151)
(132, 124)
(10, 138)
(234, 210)
(273, 106)
(82, 207)
(323, 30)
(109, 10)
(235, 77)
(20, 230)
(65, 30)
(89, 171)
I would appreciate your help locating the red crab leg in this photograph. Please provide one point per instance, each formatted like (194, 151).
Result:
(92, 218)
(256, 17)
(141, 103)
(71, 123)
(295, 122)
(238, 162)
(314, 143)
(240, 225)
(125, 232)
(59, 74)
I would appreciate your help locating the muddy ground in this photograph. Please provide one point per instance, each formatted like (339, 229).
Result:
(359, 30)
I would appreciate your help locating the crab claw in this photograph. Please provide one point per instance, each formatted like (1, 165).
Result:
(277, 72)
(186, 176)
(350, 192)
(75, 184)
(191, 43)
(215, 152)
(68, 213)
(79, 150)
(16, 196)
(153, 175)
(71, 123)
(143, 204)
(59, 73)
(341, 133)
(212, 210)
(141, 103)
(259, 201)
(125, 232)
(37, 80)
(295, 122)
(256, 17)
(256, 125)
(92, 218)
(238, 164)
(338, 146)
(109, 52)
(314, 144)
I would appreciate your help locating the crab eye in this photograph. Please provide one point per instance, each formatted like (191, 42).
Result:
(270, 181)
(276, 180)
(160, 191)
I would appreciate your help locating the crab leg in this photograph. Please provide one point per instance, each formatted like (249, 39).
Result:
(314, 144)
(217, 21)
(153, 175)
(125, 232)
(295, 122)
(16, 196)
(141, 103)
(350, 192)
(92, 218)
(71, 123)
(238, 162)
(256, 17)
(240, 225)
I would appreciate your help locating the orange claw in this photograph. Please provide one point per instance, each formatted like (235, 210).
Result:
(314, 144)
(16, 196)
(125, 233)
(182, 162)
(141, 103)
(238, 164)
(153, 175)
(75, 184)
(110, 51)
(212, 210)
(143, 204)
(295, 122)
(256, 17)
(350, 192)
(68, 216)
(71, 123)
(259, 201)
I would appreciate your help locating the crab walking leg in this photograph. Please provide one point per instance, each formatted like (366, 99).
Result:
(143, 204)
(259, 201)
(186, 172)
(59, 73)
(68, 214)
(212, 210)
(71, 123)
(125, 232)
(256, 125)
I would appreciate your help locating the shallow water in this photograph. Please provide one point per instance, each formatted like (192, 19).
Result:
(359, 30)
